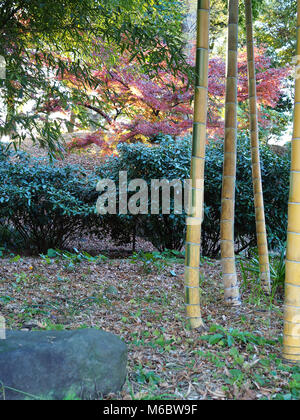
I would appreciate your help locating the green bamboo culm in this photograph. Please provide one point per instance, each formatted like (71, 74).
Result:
(261, 232)
(230, 281)
(196, 187)
(291, 335)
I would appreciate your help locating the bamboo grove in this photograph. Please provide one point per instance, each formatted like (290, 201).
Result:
(291, 349)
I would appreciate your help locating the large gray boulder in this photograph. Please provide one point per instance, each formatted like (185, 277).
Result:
(61, 364)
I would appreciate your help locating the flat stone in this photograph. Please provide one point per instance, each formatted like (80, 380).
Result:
(83, 364)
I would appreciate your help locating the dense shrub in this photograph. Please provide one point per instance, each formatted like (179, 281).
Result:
(42, 206)
(275, 175)
(171, 160)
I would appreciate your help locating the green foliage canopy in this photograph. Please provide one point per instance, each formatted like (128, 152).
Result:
(41, 36)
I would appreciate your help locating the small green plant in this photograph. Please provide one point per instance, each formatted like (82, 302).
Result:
(173, 256)
(238, 359)
(277, 270)
(20, 282)
(294, 385)
(50, 326)
(71, 258)
(236, 377)
(220, 336)
(250, 275)
(143, 376)
(71, 396)
(150, 261)
(293, 392)
(15, 258)
(212, 357)
(5, 299)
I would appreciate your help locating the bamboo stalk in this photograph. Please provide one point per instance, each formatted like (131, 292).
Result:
(196, 192)
(261, 232)
(230, 281)
(291, 340)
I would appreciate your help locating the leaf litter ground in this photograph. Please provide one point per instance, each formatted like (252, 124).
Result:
(238, 357)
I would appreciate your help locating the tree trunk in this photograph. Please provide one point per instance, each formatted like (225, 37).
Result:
(196, 189)
(10, 113)
(261, 233)
(230, 281)
(72, 123)
(291, 340)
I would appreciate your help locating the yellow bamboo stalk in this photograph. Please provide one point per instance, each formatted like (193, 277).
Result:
(196, 192)
(291, 340)
(261, 232)
(230, 281)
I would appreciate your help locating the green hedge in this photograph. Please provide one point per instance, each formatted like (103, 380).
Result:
(42, 206)
(171, 160)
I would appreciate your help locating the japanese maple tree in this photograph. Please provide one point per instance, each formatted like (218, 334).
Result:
(133, 106)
